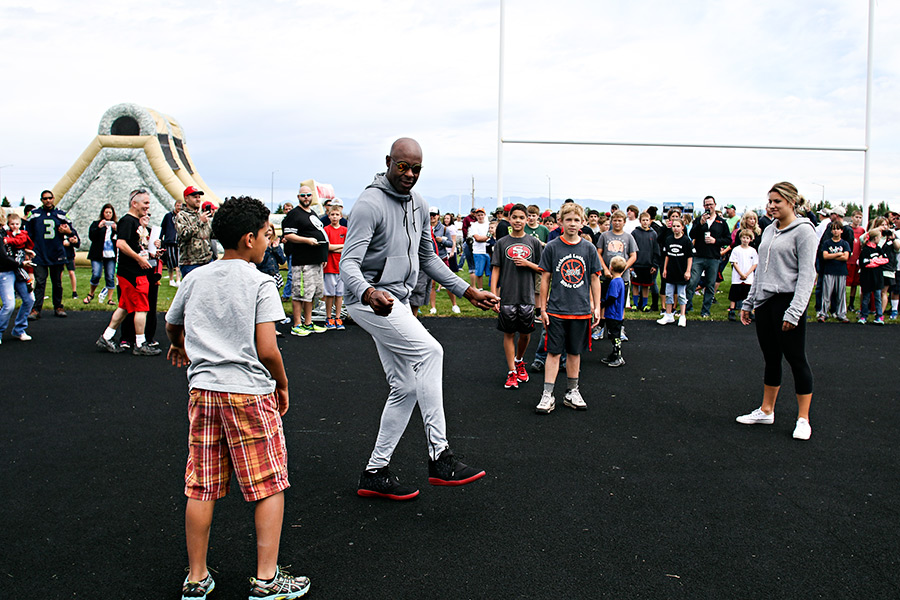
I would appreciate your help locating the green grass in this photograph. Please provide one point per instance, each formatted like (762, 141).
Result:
(719, 310)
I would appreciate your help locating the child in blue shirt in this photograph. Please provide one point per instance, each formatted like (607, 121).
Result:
(614, 306)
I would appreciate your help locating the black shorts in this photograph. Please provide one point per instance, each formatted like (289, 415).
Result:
(568, 335)
(642, 277)
(613, 328)
(738, 292)
(516, 318)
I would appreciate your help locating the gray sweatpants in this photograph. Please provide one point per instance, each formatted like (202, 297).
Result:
(413, 363)
(834, 287)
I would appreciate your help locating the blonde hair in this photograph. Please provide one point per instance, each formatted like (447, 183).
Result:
(789, 192)
(617, 215)
(2, 217)
(746, 232)
(617, 265)
(756, 230)
(571, 207)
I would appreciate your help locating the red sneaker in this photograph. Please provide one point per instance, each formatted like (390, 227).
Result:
(512, 381)
(521, 373)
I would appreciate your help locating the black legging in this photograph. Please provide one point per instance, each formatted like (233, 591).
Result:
(776, 343)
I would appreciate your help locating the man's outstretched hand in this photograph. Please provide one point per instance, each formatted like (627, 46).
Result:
(483, 300)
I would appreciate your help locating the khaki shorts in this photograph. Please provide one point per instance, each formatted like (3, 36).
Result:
(308, 284)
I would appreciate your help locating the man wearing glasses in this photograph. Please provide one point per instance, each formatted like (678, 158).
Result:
(388, 242)
(308, 244)
(48, 227)
(194, 228)
(710, 234)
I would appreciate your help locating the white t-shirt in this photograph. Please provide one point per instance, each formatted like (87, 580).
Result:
(219, 305)
(744, 258)
(631, 225)
(477, 228)
(452, 233)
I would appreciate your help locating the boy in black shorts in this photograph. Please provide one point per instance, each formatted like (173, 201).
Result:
(573, 266)
(513, 265)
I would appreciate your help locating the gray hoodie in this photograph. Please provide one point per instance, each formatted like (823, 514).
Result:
(787, 265)
(388, 240)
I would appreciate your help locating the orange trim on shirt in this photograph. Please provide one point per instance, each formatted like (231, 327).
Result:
(569, 316)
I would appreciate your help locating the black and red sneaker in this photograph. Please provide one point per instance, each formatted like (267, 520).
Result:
(512, 381)
(381, 483)
(447, 470)
(521, 372)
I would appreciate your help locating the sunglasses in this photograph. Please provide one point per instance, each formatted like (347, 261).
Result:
(304, 195)
(46, 197)
(404, 166)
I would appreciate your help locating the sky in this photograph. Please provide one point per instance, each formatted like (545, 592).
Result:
(274, 92)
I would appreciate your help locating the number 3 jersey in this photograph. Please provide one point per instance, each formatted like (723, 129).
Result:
(570, 267)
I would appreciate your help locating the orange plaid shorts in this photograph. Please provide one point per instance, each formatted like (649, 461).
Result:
(234, 431)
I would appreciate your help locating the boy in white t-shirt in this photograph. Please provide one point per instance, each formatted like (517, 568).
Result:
(479, 231)
(744, 261)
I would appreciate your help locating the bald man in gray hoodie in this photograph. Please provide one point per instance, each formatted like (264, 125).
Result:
(388, 241)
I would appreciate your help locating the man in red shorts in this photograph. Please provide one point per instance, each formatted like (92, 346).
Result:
(133, 271)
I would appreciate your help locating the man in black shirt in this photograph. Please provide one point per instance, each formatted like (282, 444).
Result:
(710, 234)
(133, 271)
(305, 235)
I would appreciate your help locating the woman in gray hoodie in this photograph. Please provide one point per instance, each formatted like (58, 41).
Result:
(780, 294)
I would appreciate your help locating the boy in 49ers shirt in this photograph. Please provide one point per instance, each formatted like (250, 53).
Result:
(513, 265)
(573, 266)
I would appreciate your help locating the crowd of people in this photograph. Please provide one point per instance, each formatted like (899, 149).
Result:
(576, 272)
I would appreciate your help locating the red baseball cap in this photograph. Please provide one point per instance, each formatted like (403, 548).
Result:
(191, 190)
(508, 207)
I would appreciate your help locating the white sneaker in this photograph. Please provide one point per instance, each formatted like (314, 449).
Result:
(546, 405)
(622, 335)
(455, 309)
(666, 319)
(24, 337)
(682, 321)
(574, 400)
(758, 417)
(433, 311)
(802, 431)
(102, 295)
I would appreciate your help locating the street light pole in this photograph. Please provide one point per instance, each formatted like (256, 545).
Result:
(821, 185)
(548, 193)
(272, 197)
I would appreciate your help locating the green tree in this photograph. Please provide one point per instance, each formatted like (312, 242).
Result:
(5, 202)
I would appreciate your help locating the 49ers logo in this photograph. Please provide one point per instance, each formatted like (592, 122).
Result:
(515, 251)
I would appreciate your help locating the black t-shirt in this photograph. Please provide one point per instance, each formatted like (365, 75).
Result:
(306, 224)
(128, 230)
(679, 251)
(834, 266)
(516, 283)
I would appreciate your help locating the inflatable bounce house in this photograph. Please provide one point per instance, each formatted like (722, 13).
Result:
(135, 147)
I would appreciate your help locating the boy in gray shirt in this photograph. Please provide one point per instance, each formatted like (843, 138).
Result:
(238, 394)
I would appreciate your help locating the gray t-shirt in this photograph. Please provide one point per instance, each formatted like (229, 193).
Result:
(612, 244)
(219, 306)
(571, 267)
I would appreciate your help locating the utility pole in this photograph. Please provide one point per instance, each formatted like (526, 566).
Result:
(272, 197)
(473, 191)
(548, 193)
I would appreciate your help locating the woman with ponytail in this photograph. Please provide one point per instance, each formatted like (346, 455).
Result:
(780, 295)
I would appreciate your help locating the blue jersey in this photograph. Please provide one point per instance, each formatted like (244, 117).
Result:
(43, 228)
(615, 300)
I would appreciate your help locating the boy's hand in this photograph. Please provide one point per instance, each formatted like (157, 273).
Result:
(687, 275)
(178, 357)
(283, 401)
(545, 318)
(597, 318)
(664, 273)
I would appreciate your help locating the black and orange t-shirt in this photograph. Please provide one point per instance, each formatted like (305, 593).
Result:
(570, 267)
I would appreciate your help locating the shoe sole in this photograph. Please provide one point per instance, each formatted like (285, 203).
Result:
(511, 387)
(544, 411)
(301, 334)
(574, 406)
(374, 494)
(453, 483)
(738, 420)
(616, 366)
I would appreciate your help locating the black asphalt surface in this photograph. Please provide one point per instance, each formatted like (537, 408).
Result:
(654, 492)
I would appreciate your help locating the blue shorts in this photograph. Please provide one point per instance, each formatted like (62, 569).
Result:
(482, 264)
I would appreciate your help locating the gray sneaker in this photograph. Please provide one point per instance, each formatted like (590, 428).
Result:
(546, 405)
(574, 400)
(284, 585)
(108, 345)
(618, 362)
(145, 349)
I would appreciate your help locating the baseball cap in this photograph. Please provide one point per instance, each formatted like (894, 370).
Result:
(839, 211)
(191, 190)
(729, 206)
(508, 207)
(337, 202)
(823, 212)
(434, 210)
(479, 210)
